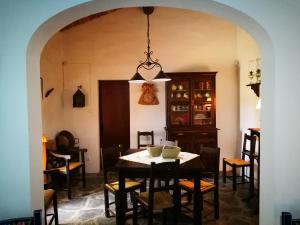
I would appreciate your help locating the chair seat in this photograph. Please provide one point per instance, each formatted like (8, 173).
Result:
(48, 197)
(204, 185)
(129, 184)
(72, 166)
(238, 162)
(161, 200)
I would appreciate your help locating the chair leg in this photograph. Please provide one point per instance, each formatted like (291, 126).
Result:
(164, 215)
(106, 203)
(150, 217)
(234, 177)
(143, 187)
(243, 174)
(134, 212)
(216, 203)
(189, 197)
(224, 171)
(45, 214)
(55, 209)
(69, 185)
(83, 176)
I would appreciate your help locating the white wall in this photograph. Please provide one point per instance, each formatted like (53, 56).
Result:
(274, 26)
(247, 53)
(110, 47)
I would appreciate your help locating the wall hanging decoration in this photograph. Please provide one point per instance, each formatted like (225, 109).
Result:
(254, 75)
(48, 92)
(149, 63)
(148, 96)
(78, 98)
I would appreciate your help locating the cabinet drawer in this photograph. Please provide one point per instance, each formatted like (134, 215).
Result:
(180, 135)
(205, 135)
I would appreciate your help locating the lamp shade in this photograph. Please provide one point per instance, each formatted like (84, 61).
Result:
(161, 76)
(137, 78)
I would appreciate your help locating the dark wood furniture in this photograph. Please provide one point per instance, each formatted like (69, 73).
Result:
(147, 134)
(50, 196)
(210, 173)
(127, 169)
(242, 163)
(109, 158)
(287, 219)
(35, 220)
(67, 162)
(159, 199)
(191, 110)
(256, 133)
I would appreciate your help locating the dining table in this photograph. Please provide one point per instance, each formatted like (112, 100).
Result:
(190, 169)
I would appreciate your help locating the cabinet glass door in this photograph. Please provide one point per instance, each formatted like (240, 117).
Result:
(180, 102)
(202, 102)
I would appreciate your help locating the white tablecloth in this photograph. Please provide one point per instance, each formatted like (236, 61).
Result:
(145, 158)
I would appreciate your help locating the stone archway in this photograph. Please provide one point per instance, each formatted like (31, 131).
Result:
(53, 24)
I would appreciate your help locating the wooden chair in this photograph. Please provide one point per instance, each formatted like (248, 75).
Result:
(67, 162)
(159, 199)
(35, 220)
(210, 158)
(50, 197)
(148, 134)
(242, 163)
(109, 158)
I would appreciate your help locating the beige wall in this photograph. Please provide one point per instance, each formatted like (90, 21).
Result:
(51, 73)
(111, 46)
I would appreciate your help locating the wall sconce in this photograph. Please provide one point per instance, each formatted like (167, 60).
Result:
(254, 85)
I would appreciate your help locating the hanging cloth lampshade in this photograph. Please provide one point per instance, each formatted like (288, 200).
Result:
(78, 98)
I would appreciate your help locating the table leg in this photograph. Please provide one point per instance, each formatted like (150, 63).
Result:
(120, 201)
(197, 201)
(251, 175)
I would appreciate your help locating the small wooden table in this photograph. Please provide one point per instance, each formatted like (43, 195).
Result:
(127, 169)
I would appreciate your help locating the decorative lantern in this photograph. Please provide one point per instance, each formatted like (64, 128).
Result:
(78, 98)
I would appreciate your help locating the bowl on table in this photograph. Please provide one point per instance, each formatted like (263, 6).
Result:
(154, 150)
(170, 152)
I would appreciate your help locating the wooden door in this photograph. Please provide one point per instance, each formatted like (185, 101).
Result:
(114, 113)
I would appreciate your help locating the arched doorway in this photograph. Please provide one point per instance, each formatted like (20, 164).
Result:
(45, 32)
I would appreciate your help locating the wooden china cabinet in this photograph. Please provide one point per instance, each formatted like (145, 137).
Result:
(191, 110)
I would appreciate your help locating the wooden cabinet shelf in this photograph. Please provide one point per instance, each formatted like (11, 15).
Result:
(191, 111)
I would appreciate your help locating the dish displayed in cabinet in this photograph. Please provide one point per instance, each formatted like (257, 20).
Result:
(191, 109)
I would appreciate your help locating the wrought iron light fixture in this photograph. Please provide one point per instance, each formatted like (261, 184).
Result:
(149, 63)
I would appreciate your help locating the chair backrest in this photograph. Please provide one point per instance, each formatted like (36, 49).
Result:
(145, 134)
(210, 157)
(248, 145)
(109, 158)
(167, 171)
(65, 140)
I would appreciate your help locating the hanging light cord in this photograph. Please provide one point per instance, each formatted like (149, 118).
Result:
(149, 63)
(148, 35)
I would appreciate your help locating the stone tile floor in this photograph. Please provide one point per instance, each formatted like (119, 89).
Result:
(87, 206)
